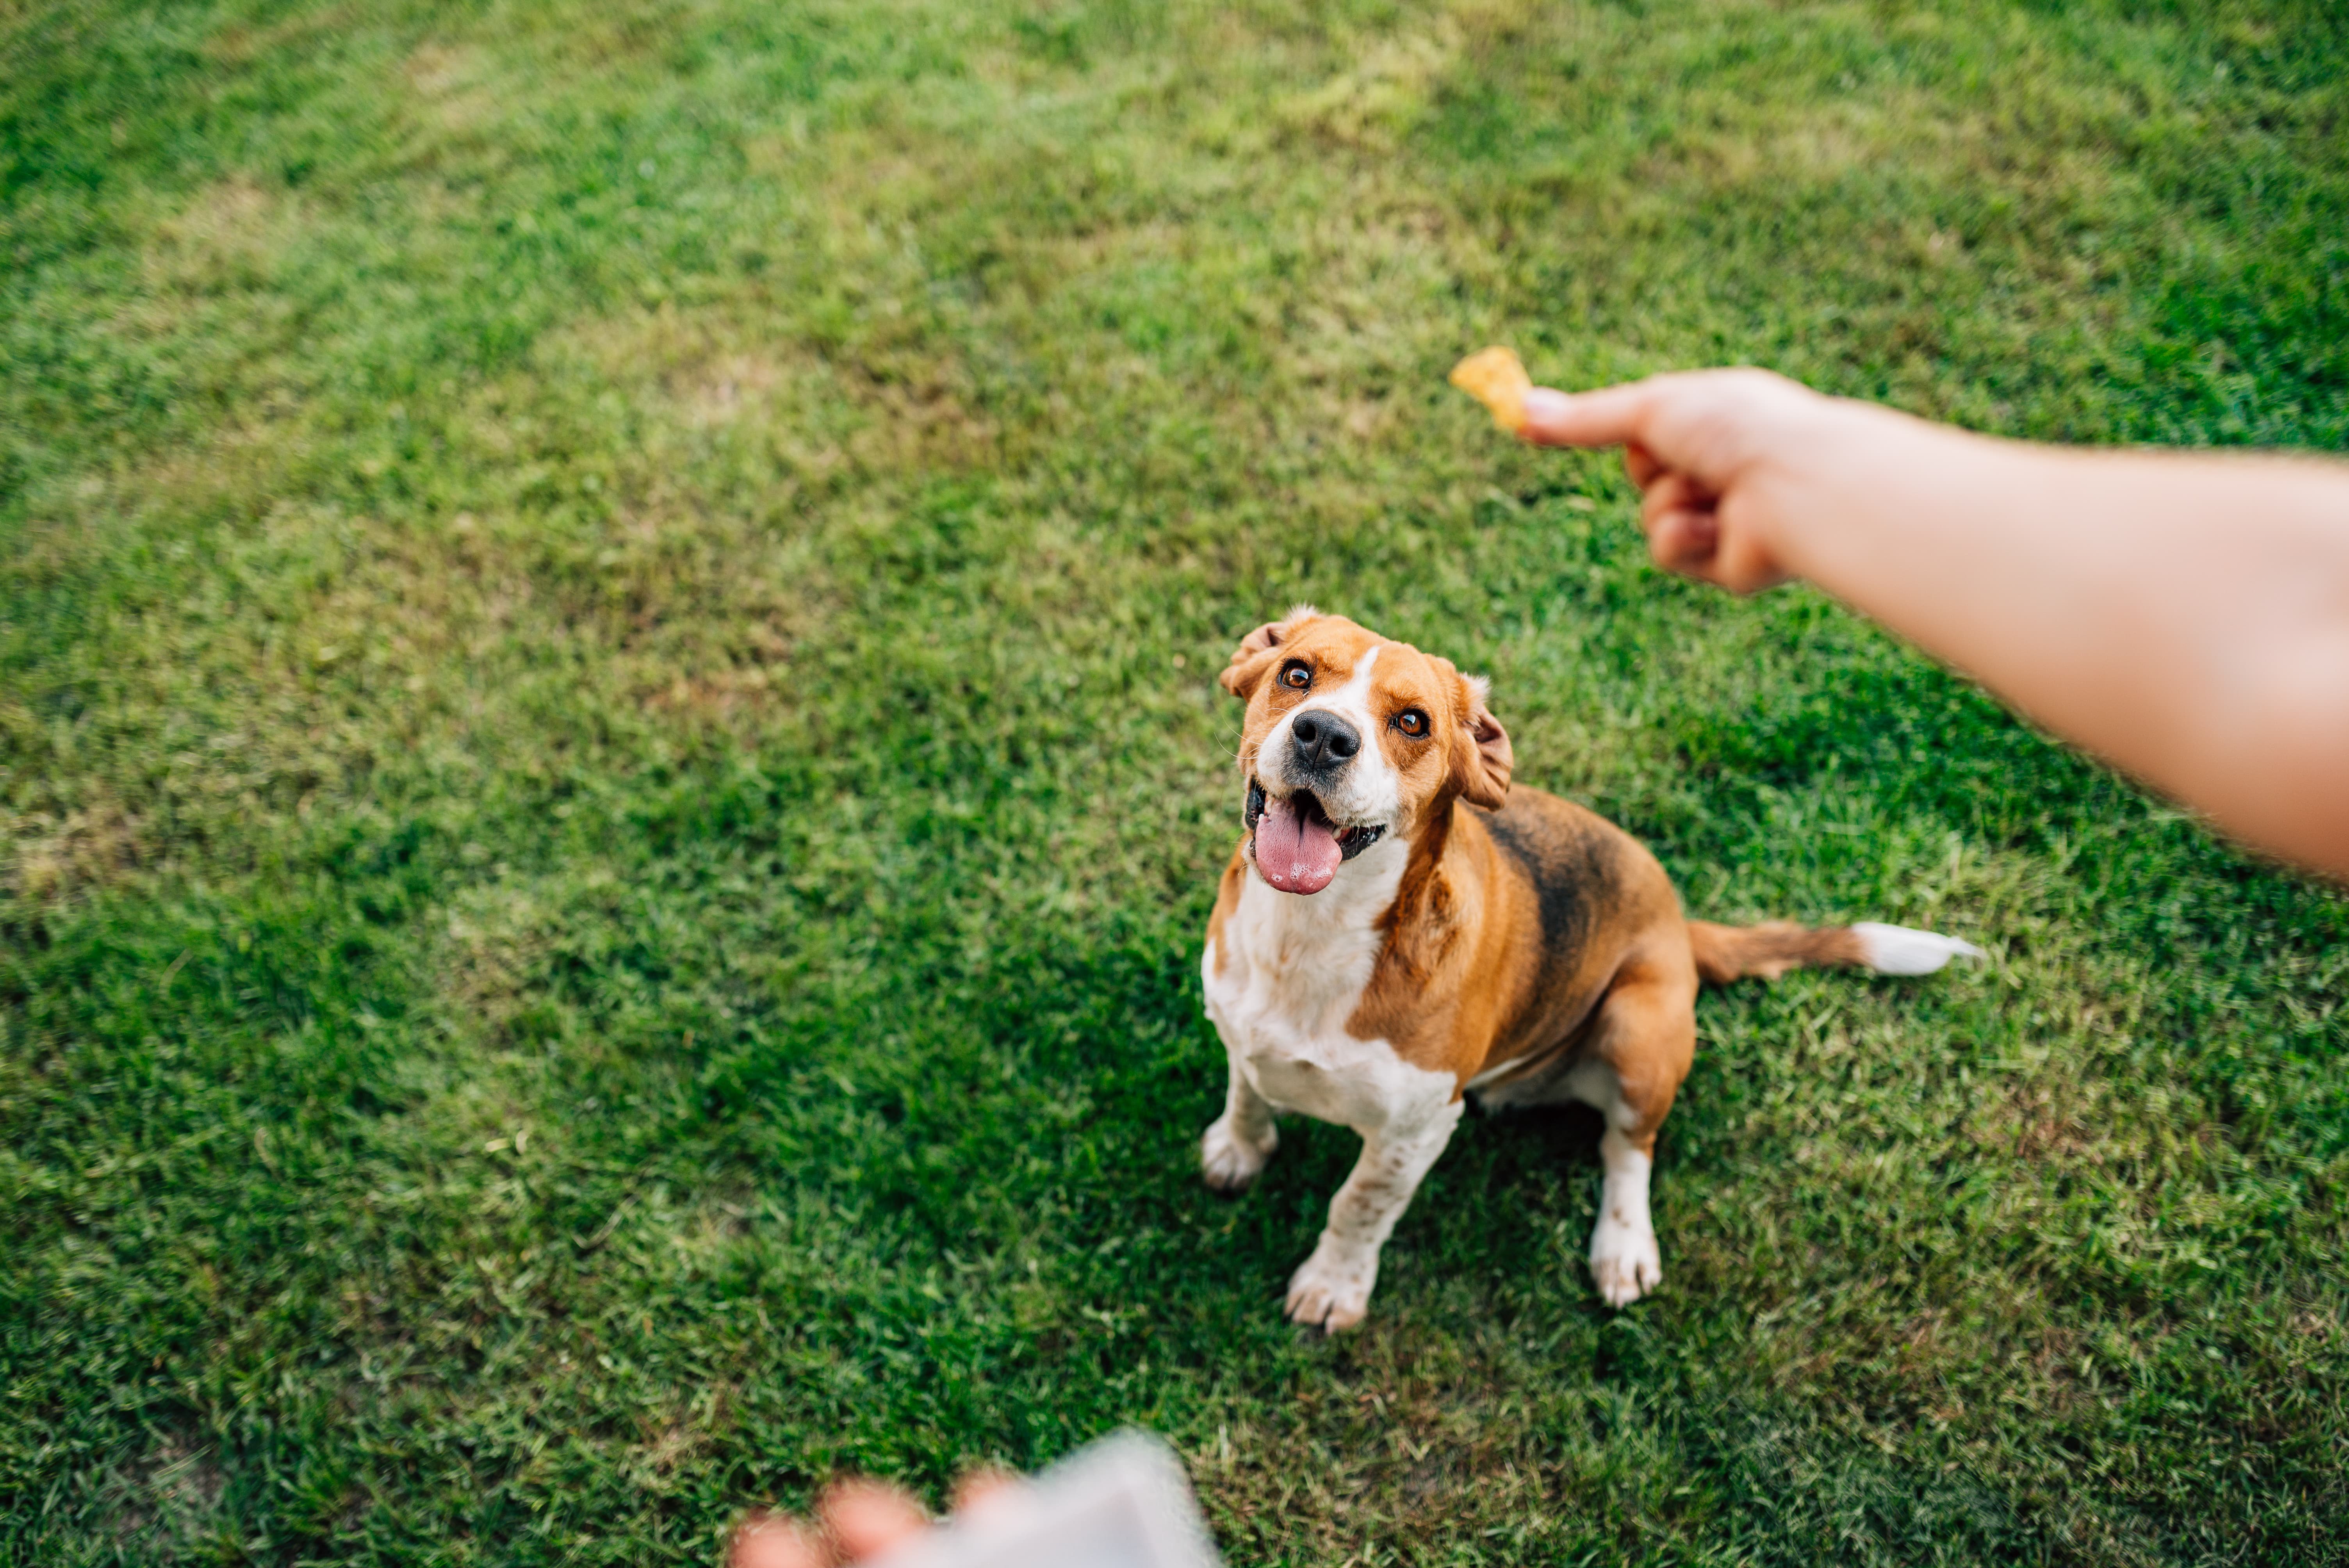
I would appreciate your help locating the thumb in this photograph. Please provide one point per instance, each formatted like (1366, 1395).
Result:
(1609, 416)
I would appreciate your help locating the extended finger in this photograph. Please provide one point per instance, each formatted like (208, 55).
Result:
(1640, 464)
(1605, 417)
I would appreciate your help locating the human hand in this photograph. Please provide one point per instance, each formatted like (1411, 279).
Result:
(1718, 454)
(858, 1521)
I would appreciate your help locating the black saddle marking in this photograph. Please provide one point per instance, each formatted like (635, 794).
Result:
(1573, 873)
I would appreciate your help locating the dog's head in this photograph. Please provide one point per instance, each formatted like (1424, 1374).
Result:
(1351, 738)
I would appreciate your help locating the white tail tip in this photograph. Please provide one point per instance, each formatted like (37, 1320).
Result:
(1898, 949)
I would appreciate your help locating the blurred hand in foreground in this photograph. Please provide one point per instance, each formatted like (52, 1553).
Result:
(856, 1521)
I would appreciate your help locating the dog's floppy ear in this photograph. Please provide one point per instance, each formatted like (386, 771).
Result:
(1481, 758)
(1260, 649)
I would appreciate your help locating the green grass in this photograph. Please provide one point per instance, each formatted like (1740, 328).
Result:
(611, 772)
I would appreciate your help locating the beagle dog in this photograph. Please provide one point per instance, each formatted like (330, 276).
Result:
(1399, 927)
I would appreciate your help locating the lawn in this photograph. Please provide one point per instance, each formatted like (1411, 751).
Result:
(611, 773)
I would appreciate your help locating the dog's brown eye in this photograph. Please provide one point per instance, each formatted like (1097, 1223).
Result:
(1412, 722)
(1296, 675)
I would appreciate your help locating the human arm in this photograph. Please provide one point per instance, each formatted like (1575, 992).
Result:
(2185, 617)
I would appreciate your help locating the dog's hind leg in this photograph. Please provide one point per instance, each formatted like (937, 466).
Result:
(1643, 1040)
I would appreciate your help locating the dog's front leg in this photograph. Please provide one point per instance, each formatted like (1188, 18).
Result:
(1239, 1141)
(1332, 1289)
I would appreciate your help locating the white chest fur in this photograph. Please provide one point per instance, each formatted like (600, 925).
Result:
(1293, 970)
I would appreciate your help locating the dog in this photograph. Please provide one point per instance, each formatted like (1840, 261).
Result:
(1400, 927)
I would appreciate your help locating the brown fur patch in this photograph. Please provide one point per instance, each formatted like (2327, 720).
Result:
(1726, 952)
(1511, 934)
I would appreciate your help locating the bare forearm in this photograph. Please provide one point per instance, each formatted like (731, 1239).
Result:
(2186, 617)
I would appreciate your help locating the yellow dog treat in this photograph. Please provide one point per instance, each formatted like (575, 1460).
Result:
(1495, 378)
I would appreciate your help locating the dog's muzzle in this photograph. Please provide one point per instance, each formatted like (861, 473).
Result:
(1298, 847)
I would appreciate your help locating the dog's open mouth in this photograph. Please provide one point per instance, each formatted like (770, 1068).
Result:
(1298, 847)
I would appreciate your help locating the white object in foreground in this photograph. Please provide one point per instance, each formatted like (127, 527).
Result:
(1121, 1502)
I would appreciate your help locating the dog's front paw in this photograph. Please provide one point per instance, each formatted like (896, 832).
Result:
(1624, 1261)
(1229, 1162)
(1332, 1290)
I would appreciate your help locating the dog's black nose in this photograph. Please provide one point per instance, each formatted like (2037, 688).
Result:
(1323, 740)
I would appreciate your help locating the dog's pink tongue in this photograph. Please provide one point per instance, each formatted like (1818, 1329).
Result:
(1296, 851)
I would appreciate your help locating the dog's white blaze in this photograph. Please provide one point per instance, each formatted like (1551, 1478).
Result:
(1900, 950)
(1368, 793)
(1293, 972)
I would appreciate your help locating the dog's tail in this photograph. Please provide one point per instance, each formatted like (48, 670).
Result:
(1726, 952)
